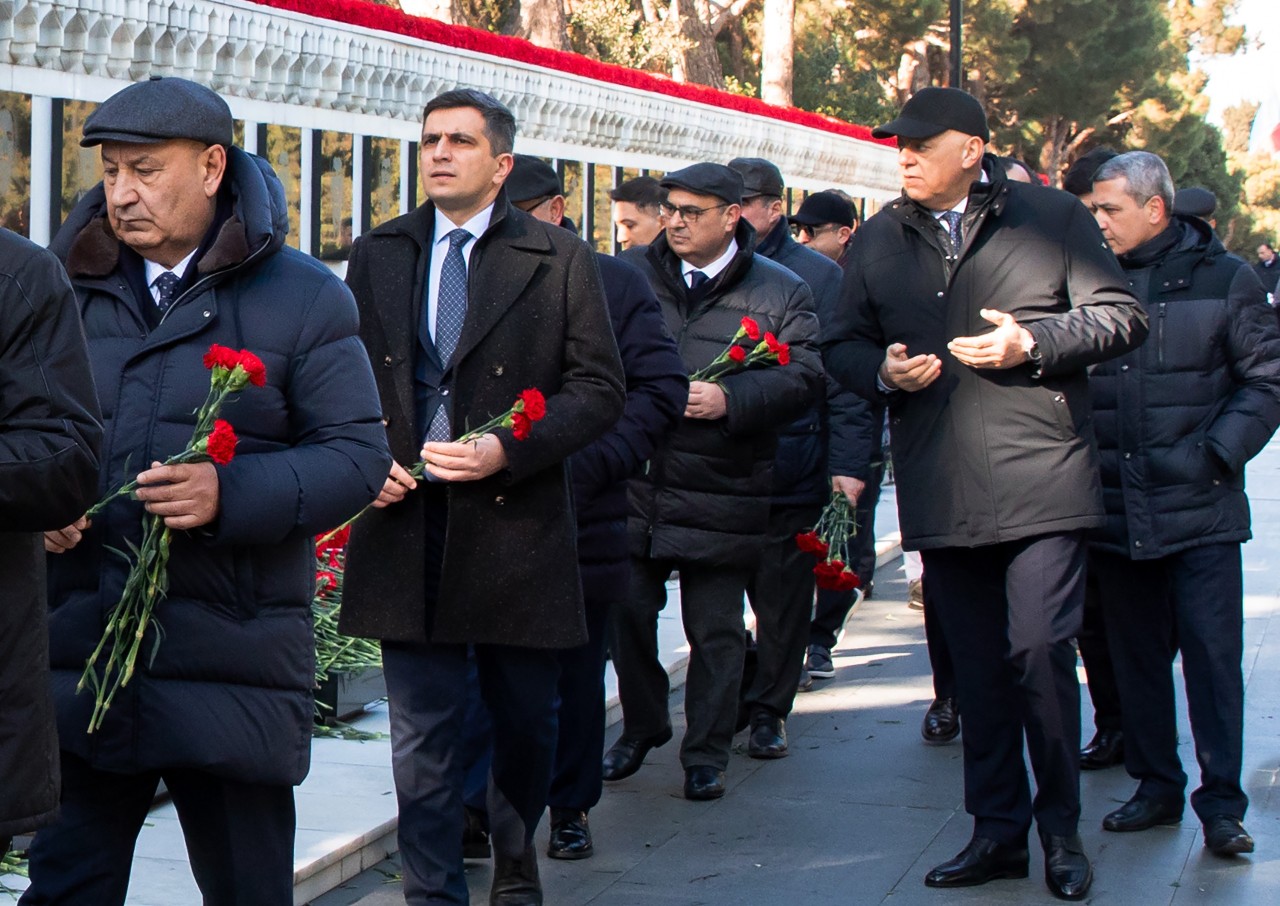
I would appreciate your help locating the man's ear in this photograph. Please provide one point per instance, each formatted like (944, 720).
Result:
(213, 166)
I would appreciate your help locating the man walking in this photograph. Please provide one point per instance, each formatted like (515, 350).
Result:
(702, 506)
(465, 303)
(181, 246)
(1177, 422)
(981, 353)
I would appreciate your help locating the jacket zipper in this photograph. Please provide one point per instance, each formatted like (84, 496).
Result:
(204, 281)
(1160, 335)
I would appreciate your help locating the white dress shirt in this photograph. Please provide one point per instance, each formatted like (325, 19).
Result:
(713, 269)
(154, 270)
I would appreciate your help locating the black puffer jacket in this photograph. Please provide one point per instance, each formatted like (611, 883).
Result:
(1178, 419)
(986, 456)
(705, 494)
(229, 689)
(48, 477)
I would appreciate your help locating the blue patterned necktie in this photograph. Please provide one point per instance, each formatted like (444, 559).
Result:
(451, 311)
(953, 219)
(165, 286)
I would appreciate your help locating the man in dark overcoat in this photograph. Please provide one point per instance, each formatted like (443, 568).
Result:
(465, 303)
(182, 246)
(48, 477)
(1178, 420)
(973, 306)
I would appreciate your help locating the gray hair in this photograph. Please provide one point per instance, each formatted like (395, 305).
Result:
(1146, 175)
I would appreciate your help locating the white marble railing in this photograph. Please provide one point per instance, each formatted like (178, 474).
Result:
(295, 70)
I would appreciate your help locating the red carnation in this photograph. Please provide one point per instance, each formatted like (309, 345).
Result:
(847, 580)
(253, 367)
(221, 357)
(828, 574)
(334, 540)
(810, 543)
(781, 350)
(221, 442)
(325, 579)
(751, 328)
(521, 425)
(738, 354)
(534, 404)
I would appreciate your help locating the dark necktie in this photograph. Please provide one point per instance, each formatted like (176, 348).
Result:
(166, 284)
(697, 285)
(953, 220)
(451, 311)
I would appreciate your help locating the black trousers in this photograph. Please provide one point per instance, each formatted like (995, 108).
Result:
(239, 837)
(940, 662)
(711, 609)
(427, 698)
(781, 595)
(1104, 691)
(1190, 601)
(1010, 613)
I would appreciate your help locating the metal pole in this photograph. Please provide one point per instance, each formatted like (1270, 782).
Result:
(956, 68)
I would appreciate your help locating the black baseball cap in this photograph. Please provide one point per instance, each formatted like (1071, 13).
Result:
(158, 110)
(531, 177)
(822, 208)
(759, 176)
(1195, 201)
(934, 110)
(716, 180)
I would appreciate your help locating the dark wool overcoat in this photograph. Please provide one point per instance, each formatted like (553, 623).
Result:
(536, 318)
(50, 434)
(1179, 418)
(225, 684)
(984, 455)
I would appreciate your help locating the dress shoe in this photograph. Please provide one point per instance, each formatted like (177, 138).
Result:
(981, 861)
(570, 834)
(1141, 813)
(475, 839)
(1105, 750)
(702, 782)
(626, 755)
(941, 722)
(1066, 868)
(515, 880)
(768, 736)
(915, 594)
(1226, 836)
(806, 681)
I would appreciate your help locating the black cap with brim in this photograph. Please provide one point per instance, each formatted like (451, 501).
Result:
(531, 177)
(822, 208)
(716, 180)
(932, 111)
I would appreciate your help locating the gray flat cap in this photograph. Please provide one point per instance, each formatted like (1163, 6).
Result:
(158, 110)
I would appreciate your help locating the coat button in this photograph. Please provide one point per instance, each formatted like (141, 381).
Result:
(940, 295)
(1137, 544)
(500, 500)
(444, 392)
(1058, 398)
(386, 363)
(1128, 455)
(1124, 367)
(1217, 482)
(207, 313)
(497, 370)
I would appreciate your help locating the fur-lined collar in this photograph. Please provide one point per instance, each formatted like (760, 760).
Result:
(96, 249)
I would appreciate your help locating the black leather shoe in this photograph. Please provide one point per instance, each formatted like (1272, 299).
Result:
(768, 736)
(941, 722)
(1226, 836)
(1066, 868)
(1141, 813)
(626, 755)
(515, 881)
(570, 834)
(703, 782)
(1105, 750)
(475, 839)
(981, 861)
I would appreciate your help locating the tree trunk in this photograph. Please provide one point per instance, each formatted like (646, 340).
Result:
(441, 10)
(777, 55)
(699, 62)
(543, 23)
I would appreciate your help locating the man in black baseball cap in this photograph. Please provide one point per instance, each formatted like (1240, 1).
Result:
(825, 222)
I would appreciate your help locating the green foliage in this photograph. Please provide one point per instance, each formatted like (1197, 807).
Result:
(614, 31)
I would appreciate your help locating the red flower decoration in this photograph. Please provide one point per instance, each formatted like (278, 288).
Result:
(781, 350)
(337, 542)
(325, 579)
(221, 357)
(521, 425)
(833, 575)
(534, 404)
(253, 367)
(221, 443)
(751, 328)
(810, 543)
(738, 354)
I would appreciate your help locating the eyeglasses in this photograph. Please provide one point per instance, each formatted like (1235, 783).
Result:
(812, 231)
(688, 213)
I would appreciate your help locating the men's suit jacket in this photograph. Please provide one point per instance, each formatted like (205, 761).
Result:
(536, 317)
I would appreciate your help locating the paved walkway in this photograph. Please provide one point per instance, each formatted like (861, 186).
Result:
(862, 809)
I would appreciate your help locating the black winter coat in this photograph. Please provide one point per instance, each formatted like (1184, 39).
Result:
(1178, 419)
(704, 497)
(51, 434)
(657, 390)
(229, 688)
(986, 456)
(1269, 275)
(536, 317)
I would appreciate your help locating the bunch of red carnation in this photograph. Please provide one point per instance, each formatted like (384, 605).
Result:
(828, 540)
(768, 350)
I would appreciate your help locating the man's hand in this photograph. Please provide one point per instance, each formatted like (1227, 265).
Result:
(63, 540)
(851, 488)
(185, 495)
(1008, 346)
(471, 461)
(909, 374)
(706, 400)
(398, 483)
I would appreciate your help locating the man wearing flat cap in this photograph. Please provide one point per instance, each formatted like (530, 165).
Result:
(973, 306)
(702, 505)
(180, 247)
